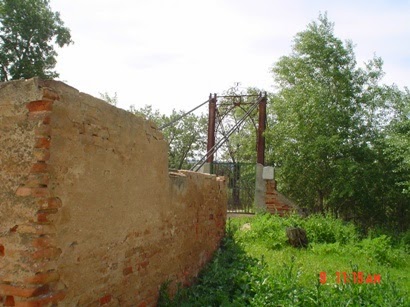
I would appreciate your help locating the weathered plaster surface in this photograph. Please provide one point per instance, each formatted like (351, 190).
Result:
(87, 204)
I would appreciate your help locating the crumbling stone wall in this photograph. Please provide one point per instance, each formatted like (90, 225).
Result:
(89, 215)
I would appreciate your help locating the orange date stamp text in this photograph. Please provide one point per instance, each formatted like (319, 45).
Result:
(350, 278)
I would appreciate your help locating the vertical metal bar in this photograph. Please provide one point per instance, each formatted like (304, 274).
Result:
(261, 129)
(211, 127)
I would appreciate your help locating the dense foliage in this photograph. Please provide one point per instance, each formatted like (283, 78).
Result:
(28, 31)
(255, 266)
(186, 138)
(339, 136)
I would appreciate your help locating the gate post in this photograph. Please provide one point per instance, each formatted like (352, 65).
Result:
(261, 129)
(211, 133)
(260, 188)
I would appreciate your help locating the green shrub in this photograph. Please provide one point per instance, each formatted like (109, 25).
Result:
(325, 229)
(405, 241)
(380, 249)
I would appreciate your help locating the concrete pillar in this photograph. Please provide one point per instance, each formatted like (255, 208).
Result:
(206, 168)
(260, 190)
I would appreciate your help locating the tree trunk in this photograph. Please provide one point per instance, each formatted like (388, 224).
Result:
(320, 202)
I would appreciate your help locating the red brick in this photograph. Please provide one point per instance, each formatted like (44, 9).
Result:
(105, 299)
(11, 290)
(23, 191)
(49, 93)
(35, 303)
(46, 119)
(54, 202)
(40, 192)
(43, 300)
(43, 278)
(127, 271)
(39, 167)
(37, 180)
(42, 218)
(43, 215)
(47, 253)
(42, 142)
(51, 203)
(43, 242)
(40, 105)
(9, 301)
(270, 188)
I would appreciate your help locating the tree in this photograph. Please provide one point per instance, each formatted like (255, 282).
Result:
(396, 141)
(328, 116)
(186, 138)
(28, 31)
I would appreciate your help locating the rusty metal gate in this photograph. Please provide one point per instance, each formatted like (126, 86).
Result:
(241, 184)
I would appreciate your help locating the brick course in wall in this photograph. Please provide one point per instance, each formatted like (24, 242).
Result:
(28, 274)
(88, 212)
(277, 203)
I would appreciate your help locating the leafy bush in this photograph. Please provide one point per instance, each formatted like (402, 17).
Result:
(325, 229)
(405, 241)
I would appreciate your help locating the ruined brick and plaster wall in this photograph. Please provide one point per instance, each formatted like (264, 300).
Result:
(89, 215)
(277, 203)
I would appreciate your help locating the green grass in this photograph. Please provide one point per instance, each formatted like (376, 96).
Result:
(257, 267)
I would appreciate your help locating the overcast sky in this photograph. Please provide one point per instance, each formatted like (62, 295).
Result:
(173, 53)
